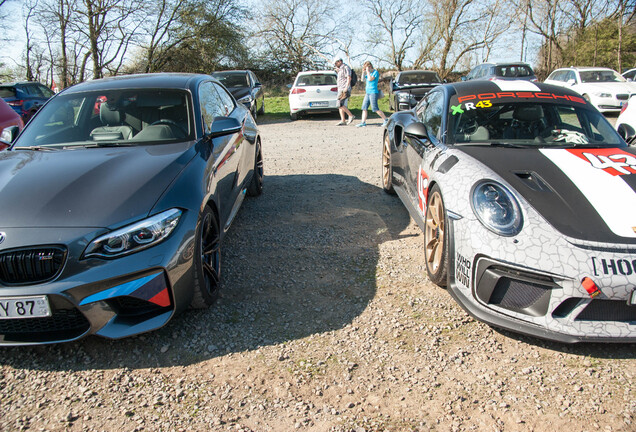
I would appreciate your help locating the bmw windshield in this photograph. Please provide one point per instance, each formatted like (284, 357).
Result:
(110, 118)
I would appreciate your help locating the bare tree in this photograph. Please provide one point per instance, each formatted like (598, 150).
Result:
(394, 28)
(456, 28)
(162, 19)
(295, 31)
(29, 10)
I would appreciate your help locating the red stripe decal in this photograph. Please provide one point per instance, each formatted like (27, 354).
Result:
(162, 299)
(612, 160)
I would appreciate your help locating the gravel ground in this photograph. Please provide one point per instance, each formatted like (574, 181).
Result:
(326, 322)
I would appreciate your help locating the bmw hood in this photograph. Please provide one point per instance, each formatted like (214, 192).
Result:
(587, 194)
(86, 187)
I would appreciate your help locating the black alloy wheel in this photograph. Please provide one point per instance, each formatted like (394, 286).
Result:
(255, 187)
(207, 261)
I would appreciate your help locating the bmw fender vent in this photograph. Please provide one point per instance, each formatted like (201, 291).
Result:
(32, 265)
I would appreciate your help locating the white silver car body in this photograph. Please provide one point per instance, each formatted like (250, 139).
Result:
(603, 87)
(313, 92)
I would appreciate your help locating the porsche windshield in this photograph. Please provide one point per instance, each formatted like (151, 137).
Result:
(111, 117)
(528, 123)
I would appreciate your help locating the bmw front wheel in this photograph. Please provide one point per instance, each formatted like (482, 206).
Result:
(207, 261)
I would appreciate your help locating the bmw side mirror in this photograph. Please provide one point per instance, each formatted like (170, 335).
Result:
(9, 134)
(416, 130)
(289, 86)
(224, 126)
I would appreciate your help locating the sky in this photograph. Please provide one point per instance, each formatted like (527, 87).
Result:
(11, 53)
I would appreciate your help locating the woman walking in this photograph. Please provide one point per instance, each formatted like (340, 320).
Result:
(371, 76)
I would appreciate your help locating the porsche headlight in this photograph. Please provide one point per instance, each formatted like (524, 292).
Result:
(135, 237)
(496, 208)
(245, 99)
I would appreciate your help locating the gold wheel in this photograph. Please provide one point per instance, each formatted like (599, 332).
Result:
(435, 238)
(387, 168)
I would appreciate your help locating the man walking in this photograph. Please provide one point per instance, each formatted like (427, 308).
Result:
(344, 91)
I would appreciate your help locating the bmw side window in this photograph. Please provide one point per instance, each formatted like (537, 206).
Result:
(211, 104)
(227, 101)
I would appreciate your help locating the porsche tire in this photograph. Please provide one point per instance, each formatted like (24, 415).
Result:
(207, 261)
(387, 166)
(436, 238)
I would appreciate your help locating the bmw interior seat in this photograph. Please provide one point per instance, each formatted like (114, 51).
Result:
(114, 127)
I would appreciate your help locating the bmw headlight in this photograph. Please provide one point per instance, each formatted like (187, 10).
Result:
(135, 237)
(496, 208)
(246, 99)
(404, 96)
(603, 95)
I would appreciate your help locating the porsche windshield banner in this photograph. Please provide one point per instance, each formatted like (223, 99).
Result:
(607, 178)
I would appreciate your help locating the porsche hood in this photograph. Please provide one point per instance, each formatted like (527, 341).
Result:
(587, 194)
(85, 187)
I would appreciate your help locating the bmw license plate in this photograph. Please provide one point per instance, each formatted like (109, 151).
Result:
(632, 299)
(24, 307)
(318, 104)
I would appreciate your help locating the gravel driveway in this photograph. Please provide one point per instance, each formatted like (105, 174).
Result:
(326, 322)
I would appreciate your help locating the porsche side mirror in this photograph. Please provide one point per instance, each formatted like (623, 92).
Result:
(224, 126)
(416, 130)
(628, 134)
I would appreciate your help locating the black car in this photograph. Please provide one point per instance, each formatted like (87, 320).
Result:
(526, 197)
(502, 71)
(408, 88)
(117, 197)
(245, 87)
(25, 97)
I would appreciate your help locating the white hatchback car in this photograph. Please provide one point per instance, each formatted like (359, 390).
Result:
(603, 87)
(313, 92)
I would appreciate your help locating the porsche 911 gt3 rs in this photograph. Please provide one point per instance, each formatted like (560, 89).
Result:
(527, 199)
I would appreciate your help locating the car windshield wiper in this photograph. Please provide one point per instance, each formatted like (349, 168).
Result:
(495, 144)
(37, 148)
(587, 145)
(102, 144)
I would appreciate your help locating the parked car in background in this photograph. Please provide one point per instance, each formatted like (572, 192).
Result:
(10, 124)
(602, 87)
(630, 74)
(25, 97)
(112, 223)
(408, 88)
(505, 71)
(313, 92)
(245, 87)
(526, 198)
(626, 121)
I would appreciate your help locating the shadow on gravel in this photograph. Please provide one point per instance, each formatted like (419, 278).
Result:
(299, 260)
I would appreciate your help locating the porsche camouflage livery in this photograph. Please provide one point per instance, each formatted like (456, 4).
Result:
(526, 196)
